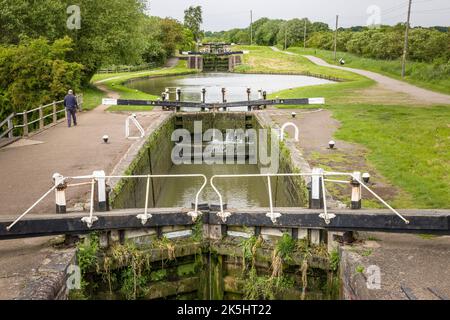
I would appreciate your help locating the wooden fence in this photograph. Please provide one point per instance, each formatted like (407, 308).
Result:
(24, 123)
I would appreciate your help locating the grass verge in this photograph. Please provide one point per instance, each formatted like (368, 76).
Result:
(421, 74)
(116, 83)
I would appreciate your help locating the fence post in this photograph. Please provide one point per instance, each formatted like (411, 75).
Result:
(10, 128)
(60, 193)
(80, 102)
(41, 118)
(55, 115)
(356, 191)
(25, 124)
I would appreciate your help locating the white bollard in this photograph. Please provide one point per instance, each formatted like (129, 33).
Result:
(356, 191)
(60, 193)
(316, 189)
(100, 204)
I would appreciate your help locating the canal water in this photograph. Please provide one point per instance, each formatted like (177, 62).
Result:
(236, 192)
(236, 85)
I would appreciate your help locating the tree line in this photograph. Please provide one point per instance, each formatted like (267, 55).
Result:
(48, 46)
(386, 42)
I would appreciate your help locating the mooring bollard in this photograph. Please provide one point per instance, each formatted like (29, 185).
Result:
(315, 189)
(203, 98)
(356, 191)
(60, 193)
(100, 198)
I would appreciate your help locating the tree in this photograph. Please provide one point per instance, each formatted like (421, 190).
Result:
(267, 34)
(110, 31)
(193, 19)
(36, 72)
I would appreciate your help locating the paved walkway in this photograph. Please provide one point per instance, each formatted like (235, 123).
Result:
(26, 169)
(385, 82)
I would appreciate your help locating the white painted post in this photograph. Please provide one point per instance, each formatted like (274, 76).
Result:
(60, 193)
(356, 191)
(100, 188)
(316, 201)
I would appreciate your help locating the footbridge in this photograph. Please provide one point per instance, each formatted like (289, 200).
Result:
(317, 219)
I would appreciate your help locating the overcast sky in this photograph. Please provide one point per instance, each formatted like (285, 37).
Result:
(226, 14)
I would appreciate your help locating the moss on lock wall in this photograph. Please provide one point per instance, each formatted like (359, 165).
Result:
(185, 268)
(154, 158)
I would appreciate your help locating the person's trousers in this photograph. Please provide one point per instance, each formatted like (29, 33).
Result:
(71, 114)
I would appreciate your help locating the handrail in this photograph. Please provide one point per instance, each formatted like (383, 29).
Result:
(91, 219)
(12, 115)
(7, 121)
(326, 216)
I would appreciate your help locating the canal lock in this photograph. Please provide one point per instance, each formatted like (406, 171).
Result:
(204, 262)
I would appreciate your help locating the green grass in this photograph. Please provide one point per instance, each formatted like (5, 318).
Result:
(92, 97)
(410, 146)
(421, 74)
(265, 60)
(117, 83)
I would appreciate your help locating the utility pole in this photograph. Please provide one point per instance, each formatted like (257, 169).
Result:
(285, 38)
(251, 27)
(304, 36)
(405, 50)
(335, 37)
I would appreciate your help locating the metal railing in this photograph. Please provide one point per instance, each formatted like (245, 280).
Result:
(61, 183)
(39, 115)
(318, 179)
(321, 174)
(119, 69)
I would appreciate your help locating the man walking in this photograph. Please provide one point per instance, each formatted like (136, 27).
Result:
(71, 105)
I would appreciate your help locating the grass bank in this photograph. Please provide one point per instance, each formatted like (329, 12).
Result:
(266, 60)
(92, 97)
(425, 75)
(410, 146)
(117, 83)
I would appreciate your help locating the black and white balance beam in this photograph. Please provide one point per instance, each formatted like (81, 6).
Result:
(237, 104)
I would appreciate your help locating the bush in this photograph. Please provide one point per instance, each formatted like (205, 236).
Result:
(36, 72)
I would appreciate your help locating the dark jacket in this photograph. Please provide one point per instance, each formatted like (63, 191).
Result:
(70, 102)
